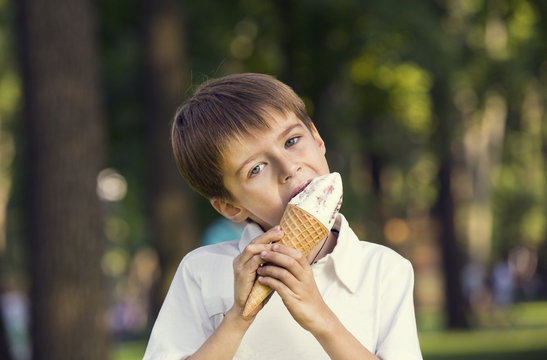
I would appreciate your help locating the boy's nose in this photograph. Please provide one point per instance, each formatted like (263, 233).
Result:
(289, 168)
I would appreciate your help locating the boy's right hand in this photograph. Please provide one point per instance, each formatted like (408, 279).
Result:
(246, 264)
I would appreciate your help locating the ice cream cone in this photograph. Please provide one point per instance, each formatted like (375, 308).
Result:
(302, 231)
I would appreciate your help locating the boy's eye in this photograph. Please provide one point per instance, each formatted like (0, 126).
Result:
(257, 169)
(292, 141)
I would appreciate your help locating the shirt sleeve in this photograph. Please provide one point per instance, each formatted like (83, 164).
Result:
(180, 328)
(398, 336)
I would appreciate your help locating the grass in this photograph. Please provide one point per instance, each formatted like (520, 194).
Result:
(526, 338)
(129, 350)
(485, 344)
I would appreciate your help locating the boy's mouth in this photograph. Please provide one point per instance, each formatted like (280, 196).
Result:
(299, 189)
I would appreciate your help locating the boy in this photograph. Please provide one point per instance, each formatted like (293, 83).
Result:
(246, 143)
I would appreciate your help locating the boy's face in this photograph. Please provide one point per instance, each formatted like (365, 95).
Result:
(263, 172)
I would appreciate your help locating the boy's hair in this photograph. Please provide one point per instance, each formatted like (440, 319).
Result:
(223, 110)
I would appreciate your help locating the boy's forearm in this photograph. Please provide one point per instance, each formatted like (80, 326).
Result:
(339, 343)
(225, 340)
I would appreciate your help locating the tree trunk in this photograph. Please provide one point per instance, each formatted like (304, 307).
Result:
(444, 211)
(170, 202)
(454, 301)
(285, 11)
(367, 128)
(63, 154)
(4, 342)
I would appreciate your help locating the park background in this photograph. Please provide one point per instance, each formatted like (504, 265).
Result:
(432, 111)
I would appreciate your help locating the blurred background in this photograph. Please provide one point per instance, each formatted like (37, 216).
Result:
(432, 111)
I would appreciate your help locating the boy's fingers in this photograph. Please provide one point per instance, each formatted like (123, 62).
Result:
(277, 285)
(272, 235)
(285, 255)
(252, 265)
(248, 263)
(295, 254)
(279, 273)
(260, 243)
(292, 260)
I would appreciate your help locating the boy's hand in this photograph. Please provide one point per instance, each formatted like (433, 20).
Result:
(246, 265)
(287, 271)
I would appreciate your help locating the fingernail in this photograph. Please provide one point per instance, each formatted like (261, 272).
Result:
(263, 254)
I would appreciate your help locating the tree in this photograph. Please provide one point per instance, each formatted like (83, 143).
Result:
(444, 210)
(4, 346)
(63, 155)
(169, 201)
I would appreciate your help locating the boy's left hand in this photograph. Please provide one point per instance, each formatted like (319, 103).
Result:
(287, 271)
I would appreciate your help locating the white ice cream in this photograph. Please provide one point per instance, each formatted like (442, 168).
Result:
(322, 198)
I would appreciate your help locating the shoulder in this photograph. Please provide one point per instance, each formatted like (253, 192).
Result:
(367, 252)
(382, 270)
(223, 249)
(381, 253)
(209, 258)
(382, 261)
(365, 265)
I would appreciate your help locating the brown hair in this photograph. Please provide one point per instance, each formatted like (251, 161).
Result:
(222, 110)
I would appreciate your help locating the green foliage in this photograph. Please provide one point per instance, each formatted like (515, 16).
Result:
(381, 79)
(371, 75)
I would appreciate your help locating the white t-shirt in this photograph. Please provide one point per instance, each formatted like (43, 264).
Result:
(368, 286)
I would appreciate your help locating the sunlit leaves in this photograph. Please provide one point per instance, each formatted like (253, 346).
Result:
(407, 85)
(522, 22)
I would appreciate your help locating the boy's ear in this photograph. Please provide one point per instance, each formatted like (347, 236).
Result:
(230, 210)
(318, 138)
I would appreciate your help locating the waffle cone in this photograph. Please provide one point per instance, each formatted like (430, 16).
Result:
(302, 231)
